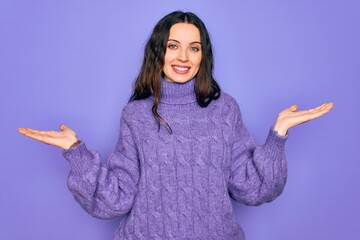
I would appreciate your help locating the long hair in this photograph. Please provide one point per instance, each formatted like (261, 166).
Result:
(148, 81)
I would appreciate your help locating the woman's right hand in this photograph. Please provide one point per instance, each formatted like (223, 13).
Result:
(63, 139)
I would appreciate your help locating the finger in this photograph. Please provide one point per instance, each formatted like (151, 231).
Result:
(63, 127)
(313, 115)
(30, 130)
(42, 134)
(25, 131)
(33, 135)
(293, 108)
(307, 115)
(329, 106)
(323, 107)
(316, 115)
(316, 108)
(314, 111)
(21, 130)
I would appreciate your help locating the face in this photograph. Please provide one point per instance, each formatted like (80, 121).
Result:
(183, 53)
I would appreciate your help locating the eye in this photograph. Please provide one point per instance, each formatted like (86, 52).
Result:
(194, 49)
(172, 46)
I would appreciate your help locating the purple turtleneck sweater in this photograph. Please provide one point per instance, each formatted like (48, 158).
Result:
(179, 185)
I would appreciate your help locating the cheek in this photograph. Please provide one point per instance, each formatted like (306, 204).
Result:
(168, 57)
(198, 61)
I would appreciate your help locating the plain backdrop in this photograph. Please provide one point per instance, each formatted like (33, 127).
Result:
(74, 62)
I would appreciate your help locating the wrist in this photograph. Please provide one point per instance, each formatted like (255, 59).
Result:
(75, 143)
(280, 129)
(72, 144)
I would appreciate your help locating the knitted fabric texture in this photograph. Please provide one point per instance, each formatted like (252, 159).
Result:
(178, 186)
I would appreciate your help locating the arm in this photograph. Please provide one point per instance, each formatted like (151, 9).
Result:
(103, 191)
(257, 174)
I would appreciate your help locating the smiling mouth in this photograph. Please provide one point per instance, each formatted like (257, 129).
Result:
(180, 69)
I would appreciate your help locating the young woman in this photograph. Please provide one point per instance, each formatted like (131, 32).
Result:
(183, 149)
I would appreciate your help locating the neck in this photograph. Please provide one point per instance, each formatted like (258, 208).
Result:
(177, 93)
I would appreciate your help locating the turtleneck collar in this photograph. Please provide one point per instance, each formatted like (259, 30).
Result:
(177, 93)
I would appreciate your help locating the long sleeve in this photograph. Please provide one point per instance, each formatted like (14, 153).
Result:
(258, 173)
(105, 191)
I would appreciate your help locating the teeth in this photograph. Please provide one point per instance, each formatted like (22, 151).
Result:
(181, 68)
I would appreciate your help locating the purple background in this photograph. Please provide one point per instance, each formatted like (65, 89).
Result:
(74, 62)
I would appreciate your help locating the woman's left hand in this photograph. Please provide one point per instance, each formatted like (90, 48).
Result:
(290, 117)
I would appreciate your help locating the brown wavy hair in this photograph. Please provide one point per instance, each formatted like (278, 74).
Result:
(148, 81)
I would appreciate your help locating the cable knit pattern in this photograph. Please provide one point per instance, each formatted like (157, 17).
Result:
(178, 186)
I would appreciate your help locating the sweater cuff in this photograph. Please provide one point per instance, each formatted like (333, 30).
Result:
(79, 157)
(274, 140)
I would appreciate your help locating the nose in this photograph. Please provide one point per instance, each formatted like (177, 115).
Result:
(182, 55)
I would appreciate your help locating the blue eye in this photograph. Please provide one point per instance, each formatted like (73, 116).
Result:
(172, 46)
(194, 49)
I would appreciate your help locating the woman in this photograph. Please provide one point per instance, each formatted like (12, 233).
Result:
(182, 151)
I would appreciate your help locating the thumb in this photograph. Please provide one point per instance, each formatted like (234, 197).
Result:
(293, 108)
(63, 127)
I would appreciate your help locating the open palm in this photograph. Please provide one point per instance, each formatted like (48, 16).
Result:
(62, 139)
(289, 117)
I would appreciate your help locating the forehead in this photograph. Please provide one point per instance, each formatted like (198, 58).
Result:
(184, 32)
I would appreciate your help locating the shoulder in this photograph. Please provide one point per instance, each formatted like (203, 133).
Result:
(228, 99)
(137, 109)
(228, 104)
(228, 108)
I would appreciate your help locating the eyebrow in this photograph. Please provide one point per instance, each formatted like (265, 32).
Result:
(179, 42)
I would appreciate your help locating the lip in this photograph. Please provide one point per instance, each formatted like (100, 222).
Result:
(180, 69)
